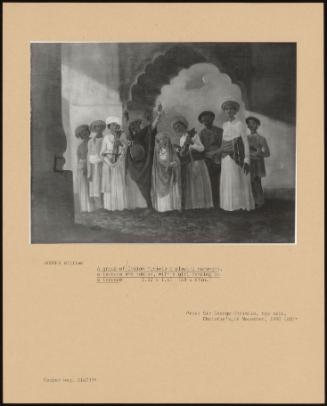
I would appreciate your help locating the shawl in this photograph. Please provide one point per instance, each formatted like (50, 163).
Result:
(163, 175)
(140, 171)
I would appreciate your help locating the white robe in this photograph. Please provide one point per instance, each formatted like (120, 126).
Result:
(235, 186)
(113, 176)
(83, 186)
(94, 166)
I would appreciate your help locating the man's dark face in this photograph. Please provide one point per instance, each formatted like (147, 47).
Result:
(179, 127)
(135, 126)
(115, 129)
(230, 111)
(98, 128)
(207, 119)
(252, 125)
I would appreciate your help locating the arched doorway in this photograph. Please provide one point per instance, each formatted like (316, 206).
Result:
(200, 87)
(176, 75)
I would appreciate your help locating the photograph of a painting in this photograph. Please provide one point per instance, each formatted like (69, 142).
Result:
(163, 142)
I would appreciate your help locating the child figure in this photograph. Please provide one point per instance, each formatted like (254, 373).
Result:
(235, 181)
(259, 150)
(196, 187)
(166, 176)
(83, 132)
(94, 161)
(113, 170)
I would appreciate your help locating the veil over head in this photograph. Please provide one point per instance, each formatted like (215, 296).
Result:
(163, 174)
(179, 119)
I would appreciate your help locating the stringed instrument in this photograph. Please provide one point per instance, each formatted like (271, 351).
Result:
(188, 141)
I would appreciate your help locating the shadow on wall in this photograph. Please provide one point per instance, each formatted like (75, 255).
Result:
(204, 87)
(90, 90)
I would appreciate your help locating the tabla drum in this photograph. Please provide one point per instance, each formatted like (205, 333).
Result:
(137, 152)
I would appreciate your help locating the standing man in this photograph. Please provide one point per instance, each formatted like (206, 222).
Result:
(211, 137)
(139, 157)
(259, 150)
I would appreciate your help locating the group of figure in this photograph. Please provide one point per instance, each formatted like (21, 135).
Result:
(217, 167)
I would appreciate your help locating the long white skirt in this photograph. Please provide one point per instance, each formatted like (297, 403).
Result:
(83, 191)
(113, 186)
(135, 198)
(172, 200)
(95, 181)
(235, 187)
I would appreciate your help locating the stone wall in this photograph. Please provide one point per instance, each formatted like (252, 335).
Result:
(51, 186)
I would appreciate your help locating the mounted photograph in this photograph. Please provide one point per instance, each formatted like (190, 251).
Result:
(163, 142)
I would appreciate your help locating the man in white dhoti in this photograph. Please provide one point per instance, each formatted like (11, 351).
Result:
(235, 182)
(113, 171)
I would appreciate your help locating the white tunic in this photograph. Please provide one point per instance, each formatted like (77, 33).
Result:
(235, 186)
(113, 176)
(94, 166)
(83, 186)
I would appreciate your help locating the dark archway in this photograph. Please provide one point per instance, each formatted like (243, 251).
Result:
(163, 68)
(159, 72)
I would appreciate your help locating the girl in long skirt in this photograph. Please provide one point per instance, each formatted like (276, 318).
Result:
(113, 170)
(235, 182)
(166, 176)
(83, 132)
(196, 187)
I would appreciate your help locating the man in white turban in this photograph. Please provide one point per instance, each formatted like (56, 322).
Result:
(235, 181)
(113, 119)
(113, 172)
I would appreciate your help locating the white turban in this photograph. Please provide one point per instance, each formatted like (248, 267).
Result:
(231, 101)
(113, 119)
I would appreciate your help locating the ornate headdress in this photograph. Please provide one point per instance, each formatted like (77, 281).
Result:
(179, 119)
(113, 119)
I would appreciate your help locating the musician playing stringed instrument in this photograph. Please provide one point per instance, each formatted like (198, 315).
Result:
(196, 187)
(113, 172)
(235, 182)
